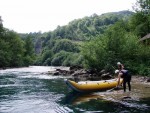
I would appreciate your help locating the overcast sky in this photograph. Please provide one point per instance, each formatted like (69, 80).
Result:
(24, 16)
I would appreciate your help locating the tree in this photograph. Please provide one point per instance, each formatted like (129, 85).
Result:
(65, 45)
(4, 54)
(59, 58)
(140, 22)
(29, 51)
(1, 27)
(117, 44)
(142, 6)
(11, 49)
(16, 49)
(1, 24)
(47, 57)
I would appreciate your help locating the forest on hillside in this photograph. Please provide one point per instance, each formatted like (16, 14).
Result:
(63, 45)
(98, 42)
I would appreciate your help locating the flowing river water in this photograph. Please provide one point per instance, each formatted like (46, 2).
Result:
(31, 90)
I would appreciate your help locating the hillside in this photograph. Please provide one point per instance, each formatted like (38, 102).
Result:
(78, 30)
(62, 46)
(82, 29)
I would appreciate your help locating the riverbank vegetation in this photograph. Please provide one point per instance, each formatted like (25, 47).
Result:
(98, 42)
(14, 52)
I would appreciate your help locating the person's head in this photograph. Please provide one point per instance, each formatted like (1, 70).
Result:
(118, 63)
(116, 71)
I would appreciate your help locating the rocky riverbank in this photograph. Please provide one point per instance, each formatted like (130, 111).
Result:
(80, 74)
(141, 79)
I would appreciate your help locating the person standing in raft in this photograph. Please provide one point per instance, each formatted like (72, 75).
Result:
(126, 78)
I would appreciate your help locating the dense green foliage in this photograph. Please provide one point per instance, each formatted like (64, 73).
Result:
(82, 29)
(14, 52)
(29, 51)
(117, 45)
(63, 45)
(140, 22)
(58, 51)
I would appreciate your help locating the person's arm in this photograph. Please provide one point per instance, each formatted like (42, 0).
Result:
(119, 76)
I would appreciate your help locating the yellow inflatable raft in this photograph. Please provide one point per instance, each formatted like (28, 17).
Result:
(89, 86)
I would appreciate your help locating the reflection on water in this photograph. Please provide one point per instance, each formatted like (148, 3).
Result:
(102, 102)
(31, 90)
(78, 98)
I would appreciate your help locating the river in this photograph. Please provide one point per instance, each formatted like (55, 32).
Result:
(31, 90)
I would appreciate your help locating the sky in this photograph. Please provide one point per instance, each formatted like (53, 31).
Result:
(24, 16)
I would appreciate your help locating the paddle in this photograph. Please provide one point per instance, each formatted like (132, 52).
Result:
(111, 89)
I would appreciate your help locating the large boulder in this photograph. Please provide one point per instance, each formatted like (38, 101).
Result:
(91, 71)
(79, 72)
(75, 68)
(106, 76)
(148, 80)
(56, 73)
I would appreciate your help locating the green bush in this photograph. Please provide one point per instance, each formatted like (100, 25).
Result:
(59, 58)
(47, 57)
(65, 45)
(117, 45)
(73, 59)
